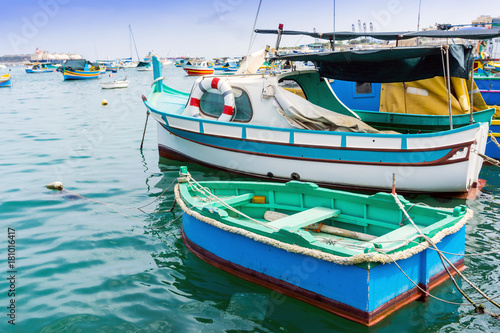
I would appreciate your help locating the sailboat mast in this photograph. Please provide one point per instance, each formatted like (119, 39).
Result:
(132, 35)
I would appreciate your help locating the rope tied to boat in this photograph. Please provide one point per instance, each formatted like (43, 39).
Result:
(487, 158)
(198, 187)
(478, 308)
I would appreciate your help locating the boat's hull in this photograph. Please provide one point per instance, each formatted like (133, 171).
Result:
(287, 154)
(364, 295)
(80, 75)
(5, 80)
(492, 149)
(489, 88)
(198, 71)
(114, 85)
(37, 71)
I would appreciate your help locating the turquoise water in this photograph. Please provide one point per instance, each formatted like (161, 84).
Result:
(88, 261)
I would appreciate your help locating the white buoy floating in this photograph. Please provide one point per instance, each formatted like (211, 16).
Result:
(55, 186)
(104, 102)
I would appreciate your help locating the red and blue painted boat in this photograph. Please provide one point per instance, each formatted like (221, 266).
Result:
(201, 68)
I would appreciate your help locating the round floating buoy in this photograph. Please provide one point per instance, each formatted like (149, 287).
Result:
(55, 186)
(104, 102)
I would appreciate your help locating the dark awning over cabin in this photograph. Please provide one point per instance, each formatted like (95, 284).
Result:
(346, 35)
(386, 65)
(77, 64)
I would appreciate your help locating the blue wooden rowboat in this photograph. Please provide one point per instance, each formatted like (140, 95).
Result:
(339, 251)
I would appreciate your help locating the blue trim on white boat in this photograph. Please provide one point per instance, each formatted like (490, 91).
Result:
(318, 153)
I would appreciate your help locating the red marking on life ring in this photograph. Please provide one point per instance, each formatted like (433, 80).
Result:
(228, 110)
(215, 82)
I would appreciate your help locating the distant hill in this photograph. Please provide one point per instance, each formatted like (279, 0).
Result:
(15, 58)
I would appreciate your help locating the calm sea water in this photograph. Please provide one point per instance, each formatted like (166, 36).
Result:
(88, 261)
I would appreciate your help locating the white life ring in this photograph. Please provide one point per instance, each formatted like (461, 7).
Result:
(215, 83)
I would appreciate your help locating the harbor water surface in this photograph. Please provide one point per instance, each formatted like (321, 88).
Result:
(88, 260)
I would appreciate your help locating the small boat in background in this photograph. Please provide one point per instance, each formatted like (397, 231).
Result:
(340, 251)
(199, 68)
(80, 69)
(144, 66)
(166, 62)
(5, 80)
(115, 84)
(41, 68)
(109, 65)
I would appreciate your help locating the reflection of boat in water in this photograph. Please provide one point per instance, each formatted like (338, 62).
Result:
(276, 234)
(79, 70)
(250, 125)
(5, 80)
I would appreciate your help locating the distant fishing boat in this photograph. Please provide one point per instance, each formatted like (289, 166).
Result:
(199, 68)
(109, 65)
(41, 68)
(80, 69)
(340, 251)
(115, 84)
(5, 80)
(144, 66)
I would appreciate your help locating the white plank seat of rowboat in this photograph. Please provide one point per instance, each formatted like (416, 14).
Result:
(305, 218)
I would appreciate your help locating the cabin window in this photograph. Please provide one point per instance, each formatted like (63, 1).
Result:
(292, 86)
(212, 104)
(363, 88)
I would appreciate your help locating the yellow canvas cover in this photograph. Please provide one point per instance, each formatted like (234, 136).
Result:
(430, 96)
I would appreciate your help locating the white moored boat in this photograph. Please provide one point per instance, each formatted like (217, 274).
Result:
(115, 84)
(258, 128)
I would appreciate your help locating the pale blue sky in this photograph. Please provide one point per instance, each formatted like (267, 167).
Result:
(210, 28)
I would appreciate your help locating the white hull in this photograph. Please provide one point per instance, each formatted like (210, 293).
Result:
(440, 178)
(114, 84)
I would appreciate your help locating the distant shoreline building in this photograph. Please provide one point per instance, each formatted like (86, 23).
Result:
(57, 58)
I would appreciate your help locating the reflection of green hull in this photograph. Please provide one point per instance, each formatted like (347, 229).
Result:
(418, 122)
